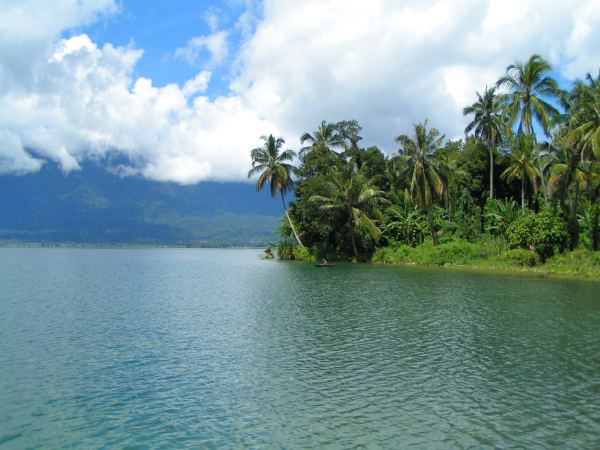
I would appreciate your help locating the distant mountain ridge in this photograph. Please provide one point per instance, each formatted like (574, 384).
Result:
(94, 206)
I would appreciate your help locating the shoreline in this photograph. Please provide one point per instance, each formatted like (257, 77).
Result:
(493, 269)
(532, 272)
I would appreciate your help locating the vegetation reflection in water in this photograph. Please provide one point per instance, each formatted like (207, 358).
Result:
(219, 349)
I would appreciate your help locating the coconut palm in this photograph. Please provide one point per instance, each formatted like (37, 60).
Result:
(324, 139)
(274, 170)
(585, 114)
(423, 168)
(522, 165)
(531, 89)
(566, 171)
(487, 124)
(565, 168)
(347, 189)
(349, 132)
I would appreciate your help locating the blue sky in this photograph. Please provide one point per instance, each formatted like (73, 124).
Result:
(159, 28)
(182, 90)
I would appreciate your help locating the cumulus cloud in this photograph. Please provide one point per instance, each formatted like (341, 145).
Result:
(385, 63)
(85, 104)
(390, 64)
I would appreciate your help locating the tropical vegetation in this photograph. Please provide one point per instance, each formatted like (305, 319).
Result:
(520, 190)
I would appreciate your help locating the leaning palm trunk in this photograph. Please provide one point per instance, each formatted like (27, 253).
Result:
(290, 221)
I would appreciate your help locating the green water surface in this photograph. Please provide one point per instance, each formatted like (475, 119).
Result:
(174, 348)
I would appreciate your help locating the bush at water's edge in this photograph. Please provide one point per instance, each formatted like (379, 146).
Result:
(581, 263)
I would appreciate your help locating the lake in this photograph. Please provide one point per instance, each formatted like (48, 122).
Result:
(175, 348)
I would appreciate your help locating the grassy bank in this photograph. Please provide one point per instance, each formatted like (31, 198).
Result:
(492, 255)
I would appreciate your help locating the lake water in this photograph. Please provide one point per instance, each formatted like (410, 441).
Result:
(174, 348)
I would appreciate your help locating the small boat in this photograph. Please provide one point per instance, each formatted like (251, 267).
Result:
(323, 264)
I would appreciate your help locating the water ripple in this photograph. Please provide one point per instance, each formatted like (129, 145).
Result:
(218, 349)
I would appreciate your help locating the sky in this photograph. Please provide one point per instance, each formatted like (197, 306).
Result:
(182, 90)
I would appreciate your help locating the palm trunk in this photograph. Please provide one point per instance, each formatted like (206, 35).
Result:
(595, 229)
(523, 192)
(353, 238)
(491, 171)
(431, 227)
(543, 181)
(574, 227)
(290, 221)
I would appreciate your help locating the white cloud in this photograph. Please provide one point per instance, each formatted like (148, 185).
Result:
(583, 44)
(13, 157)
(385, 63)
(215, 44)
(85, 104)
(389, 63)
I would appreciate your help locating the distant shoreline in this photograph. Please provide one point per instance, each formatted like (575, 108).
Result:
(124, 246)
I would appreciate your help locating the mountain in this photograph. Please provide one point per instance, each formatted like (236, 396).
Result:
(95, 206)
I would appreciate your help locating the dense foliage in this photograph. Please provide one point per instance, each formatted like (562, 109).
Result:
(523, 185)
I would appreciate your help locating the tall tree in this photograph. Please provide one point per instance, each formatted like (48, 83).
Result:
(566, 171)
(422, 168)
(585, 117)
(348, 189)
(274, 169)
(531, 89)
(324, 139)
(349, 131)
(585, 134)
(487, 123)
(522, 164)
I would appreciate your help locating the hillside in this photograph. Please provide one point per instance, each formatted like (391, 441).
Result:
(94, 206)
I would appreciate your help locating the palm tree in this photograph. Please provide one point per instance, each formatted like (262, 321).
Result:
(565, 165)
(347, 189)
(349, 132)
(585, 117)
(423, 168)
(487, 124)
(274, 170)
(531, 89)
(522, 165)
(324, 139)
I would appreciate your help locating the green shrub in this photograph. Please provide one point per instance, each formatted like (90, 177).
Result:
(494, 246)
(521, 257)
(520, 232)
(285, 251)
(544, 232)
(455, 252)
(580, 262)
(395, 254)
(498, 215)
(302, 254)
